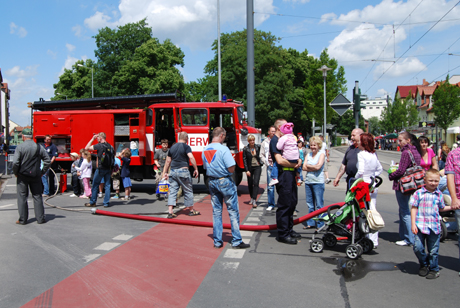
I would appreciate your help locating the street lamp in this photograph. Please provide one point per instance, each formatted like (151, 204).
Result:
(324, 69)
(62, 94)
(92, 79)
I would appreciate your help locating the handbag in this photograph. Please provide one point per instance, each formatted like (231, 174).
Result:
(412, 179)
(374, 220)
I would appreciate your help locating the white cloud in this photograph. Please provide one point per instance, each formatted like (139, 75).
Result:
(193, 23)
(394, 12)
(52, 54)
(97, 21)
(77, 30)
(406, 67)
(364, 42)
(17, 72)
(69, 62)
(70, 47)
(20, 31)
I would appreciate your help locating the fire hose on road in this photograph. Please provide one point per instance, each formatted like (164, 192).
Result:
(207, 223)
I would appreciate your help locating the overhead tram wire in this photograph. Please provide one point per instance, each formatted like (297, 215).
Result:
(444, 52)
(412, 46)
(444, 74)
(391, 36)
(319, 33)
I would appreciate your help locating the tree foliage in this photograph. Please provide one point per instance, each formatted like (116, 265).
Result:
(346, 123)
(129, 62)
(281, 79)
(399, 115)
(446, 106)
(375, 126)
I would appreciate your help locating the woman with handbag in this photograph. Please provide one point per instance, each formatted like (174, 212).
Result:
(253, 167)
(409, 157)
(369, 166)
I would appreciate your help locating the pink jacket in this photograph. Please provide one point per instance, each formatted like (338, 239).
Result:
(288, 144)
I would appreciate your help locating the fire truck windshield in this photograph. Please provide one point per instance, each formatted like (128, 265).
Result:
(240, 115)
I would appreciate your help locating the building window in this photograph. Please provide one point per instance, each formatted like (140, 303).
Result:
(377, 107)
(370, 107)
(374, 103)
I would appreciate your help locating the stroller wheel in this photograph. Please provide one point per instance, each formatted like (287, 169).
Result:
(367, 245)
(317, 245)
(353, 251)
(330, 240)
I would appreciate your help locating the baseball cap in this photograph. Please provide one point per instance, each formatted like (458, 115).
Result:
(27, 132)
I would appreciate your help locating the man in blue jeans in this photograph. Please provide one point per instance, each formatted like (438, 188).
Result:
(268, 161)
(219, 165)
(179, 158)
(101, 171)
(48, 177)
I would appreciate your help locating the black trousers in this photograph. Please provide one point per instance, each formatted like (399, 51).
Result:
(76, 185)
(253, 181)
(287, 202)
(36, 188)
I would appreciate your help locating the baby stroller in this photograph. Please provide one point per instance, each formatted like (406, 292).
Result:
(347, 222)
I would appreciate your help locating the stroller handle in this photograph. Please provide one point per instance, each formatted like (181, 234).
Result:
(378, 181)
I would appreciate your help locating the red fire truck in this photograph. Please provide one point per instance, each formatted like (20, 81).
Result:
(141, 122)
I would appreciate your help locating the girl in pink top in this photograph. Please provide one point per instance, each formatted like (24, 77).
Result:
(428, 156)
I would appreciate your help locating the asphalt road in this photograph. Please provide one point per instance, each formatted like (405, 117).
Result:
(35, 258)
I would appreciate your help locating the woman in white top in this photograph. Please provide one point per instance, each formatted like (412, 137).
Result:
(369, 166)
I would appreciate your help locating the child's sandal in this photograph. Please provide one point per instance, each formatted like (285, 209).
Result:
(193, 213)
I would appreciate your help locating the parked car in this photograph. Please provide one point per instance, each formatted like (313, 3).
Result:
(11, 149)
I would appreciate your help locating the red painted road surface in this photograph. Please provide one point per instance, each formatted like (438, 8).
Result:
(163, 267)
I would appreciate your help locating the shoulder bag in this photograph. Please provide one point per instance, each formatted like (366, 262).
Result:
(412, 179)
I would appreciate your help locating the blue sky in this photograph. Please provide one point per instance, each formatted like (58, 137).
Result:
(40, 38)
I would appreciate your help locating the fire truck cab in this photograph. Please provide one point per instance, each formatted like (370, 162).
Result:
(140, 123)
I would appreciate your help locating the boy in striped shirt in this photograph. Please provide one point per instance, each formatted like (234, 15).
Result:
(425, 205)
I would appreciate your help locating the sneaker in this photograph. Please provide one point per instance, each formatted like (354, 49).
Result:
(273, 182)
(423, 271)
(432, 275)
(328, 181)
(295, 213)
(90, 205)
(126, 198)
(73, 196)
(402, 243)
(270, 208)
(242, 245)
(99, 195)
(84, 197)
(115, 197)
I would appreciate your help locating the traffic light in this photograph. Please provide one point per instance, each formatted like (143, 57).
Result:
(357, 106)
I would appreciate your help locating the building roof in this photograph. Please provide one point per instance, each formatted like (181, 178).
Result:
(19, 129)
(404, 91)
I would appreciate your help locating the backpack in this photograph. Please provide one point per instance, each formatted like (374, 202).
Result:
(108, 156)
(31, 168)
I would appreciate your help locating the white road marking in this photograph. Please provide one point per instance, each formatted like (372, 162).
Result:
(122, 237)
(10, 185)
(90, 258)
(253, 219)
(6, 205)
(247, 233)
(232, 266)
(234, 253)
(259, 213)
(251, 223)
(107, 246)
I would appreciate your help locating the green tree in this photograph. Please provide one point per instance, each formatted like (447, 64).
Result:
(314, 88)
(346, 123)
(446, 106)
(374, 125)
(281, 77)
(151, 70)
(114, 48)
(399, 115)
(74, 83)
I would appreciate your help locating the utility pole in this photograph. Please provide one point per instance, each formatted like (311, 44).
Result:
(250, 63)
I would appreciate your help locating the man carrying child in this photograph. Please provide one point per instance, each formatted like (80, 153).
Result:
(425, 205)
